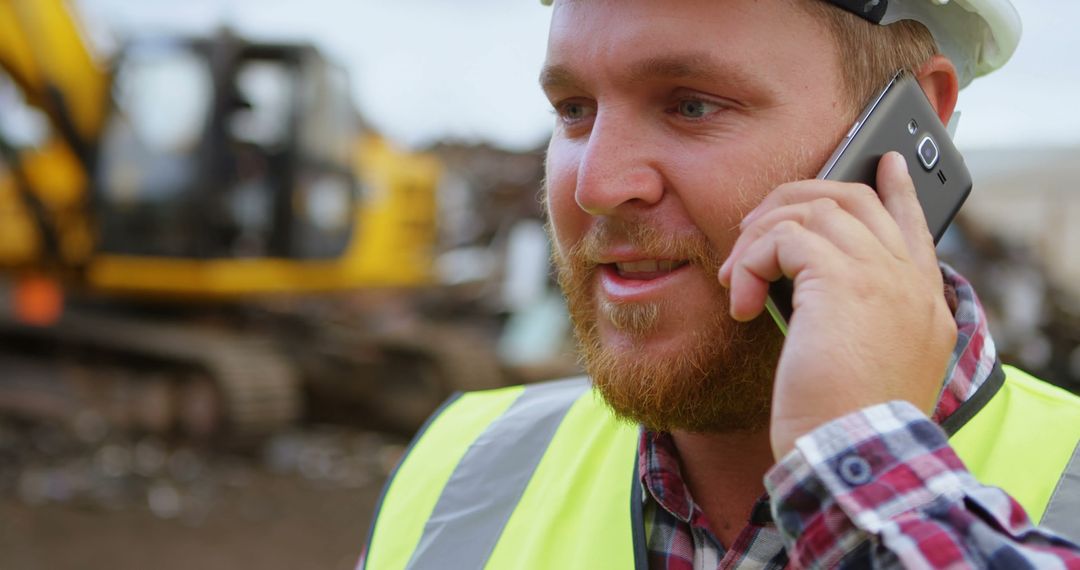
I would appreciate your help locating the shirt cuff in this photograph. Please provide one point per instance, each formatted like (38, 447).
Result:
(874, 464)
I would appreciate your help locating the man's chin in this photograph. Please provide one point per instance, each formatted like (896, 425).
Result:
(717, 378)
(655, 343)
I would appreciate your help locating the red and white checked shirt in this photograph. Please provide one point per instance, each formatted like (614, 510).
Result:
(876, 488)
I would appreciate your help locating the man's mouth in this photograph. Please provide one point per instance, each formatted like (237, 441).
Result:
(647, 269)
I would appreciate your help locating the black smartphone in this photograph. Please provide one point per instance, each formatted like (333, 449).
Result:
(899, 118)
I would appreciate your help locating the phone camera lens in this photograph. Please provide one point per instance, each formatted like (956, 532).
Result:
(913, 127)
(928, 152)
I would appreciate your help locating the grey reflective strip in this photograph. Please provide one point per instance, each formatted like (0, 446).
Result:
(637, 521)
(1063, 512)
(487, 484)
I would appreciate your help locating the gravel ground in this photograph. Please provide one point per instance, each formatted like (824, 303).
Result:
(301, 500)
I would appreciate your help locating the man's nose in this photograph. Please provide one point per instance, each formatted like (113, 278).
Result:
(618, 169)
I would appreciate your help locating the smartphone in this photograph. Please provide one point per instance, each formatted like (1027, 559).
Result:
(899, 118)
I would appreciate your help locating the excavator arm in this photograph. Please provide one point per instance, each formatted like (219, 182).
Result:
(42, 48)
(44, 187)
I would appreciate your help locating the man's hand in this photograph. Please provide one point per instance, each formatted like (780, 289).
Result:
(871, 324)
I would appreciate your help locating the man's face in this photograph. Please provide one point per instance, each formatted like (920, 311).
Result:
(675, 118)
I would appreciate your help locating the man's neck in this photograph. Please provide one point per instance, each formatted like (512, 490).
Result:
(724, 473)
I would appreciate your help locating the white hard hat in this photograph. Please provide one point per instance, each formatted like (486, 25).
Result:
(978, 36)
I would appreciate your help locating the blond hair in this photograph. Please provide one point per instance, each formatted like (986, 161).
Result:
(870, 54)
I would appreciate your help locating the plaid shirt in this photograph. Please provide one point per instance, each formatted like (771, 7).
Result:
(876, 488)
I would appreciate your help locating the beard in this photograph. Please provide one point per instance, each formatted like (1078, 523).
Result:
(721, 378)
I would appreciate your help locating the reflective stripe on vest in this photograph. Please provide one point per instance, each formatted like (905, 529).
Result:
(485, 487)
(564, 480)
(579, 506)
(1063, 514)
(415, 486)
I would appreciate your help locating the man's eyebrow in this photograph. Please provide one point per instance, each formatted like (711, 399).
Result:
(687, 66)
(669, 66)
(552, 76)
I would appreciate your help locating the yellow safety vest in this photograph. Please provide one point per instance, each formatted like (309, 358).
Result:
(544, 476)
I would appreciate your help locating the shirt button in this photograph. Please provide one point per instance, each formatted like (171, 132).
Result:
(855, 470)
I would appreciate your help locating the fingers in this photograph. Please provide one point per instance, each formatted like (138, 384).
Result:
(822, 224)
(858, 199)
(804, 242)
(825, 216)
(788, 249)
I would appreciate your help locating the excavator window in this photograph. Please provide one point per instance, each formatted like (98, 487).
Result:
(223, 149)
(149, 154)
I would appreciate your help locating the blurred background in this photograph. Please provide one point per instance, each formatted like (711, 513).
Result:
(246, 247)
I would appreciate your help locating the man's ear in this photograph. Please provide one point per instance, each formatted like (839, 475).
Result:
(938, 80)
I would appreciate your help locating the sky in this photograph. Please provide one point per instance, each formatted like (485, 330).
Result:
(427, 70)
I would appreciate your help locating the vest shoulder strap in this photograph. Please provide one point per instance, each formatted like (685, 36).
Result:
(583, 494)
(490, 465)
(414, 487)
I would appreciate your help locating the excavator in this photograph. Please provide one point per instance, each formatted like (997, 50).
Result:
(199, 236)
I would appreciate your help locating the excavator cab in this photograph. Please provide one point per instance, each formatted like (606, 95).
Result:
(225, 149)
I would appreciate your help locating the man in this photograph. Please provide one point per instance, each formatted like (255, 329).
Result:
(679, 184)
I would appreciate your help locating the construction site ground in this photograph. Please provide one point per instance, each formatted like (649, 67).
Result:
(300, 501)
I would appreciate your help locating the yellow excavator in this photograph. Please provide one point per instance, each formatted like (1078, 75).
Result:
(187, 228)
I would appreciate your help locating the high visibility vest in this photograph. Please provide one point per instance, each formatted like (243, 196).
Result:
(544, 476)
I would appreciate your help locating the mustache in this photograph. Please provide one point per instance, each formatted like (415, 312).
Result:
(645, 238)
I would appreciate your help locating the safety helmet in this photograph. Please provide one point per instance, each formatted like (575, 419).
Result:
(978, 36)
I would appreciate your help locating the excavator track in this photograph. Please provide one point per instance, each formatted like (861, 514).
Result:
(220, 382)
(396, 379)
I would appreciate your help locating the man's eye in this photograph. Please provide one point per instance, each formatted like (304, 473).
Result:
(574, 111)
(696, 109)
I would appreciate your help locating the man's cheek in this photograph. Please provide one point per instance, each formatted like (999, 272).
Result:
(718, 216)
(553, 211)
(721, 232)
(566, 222)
